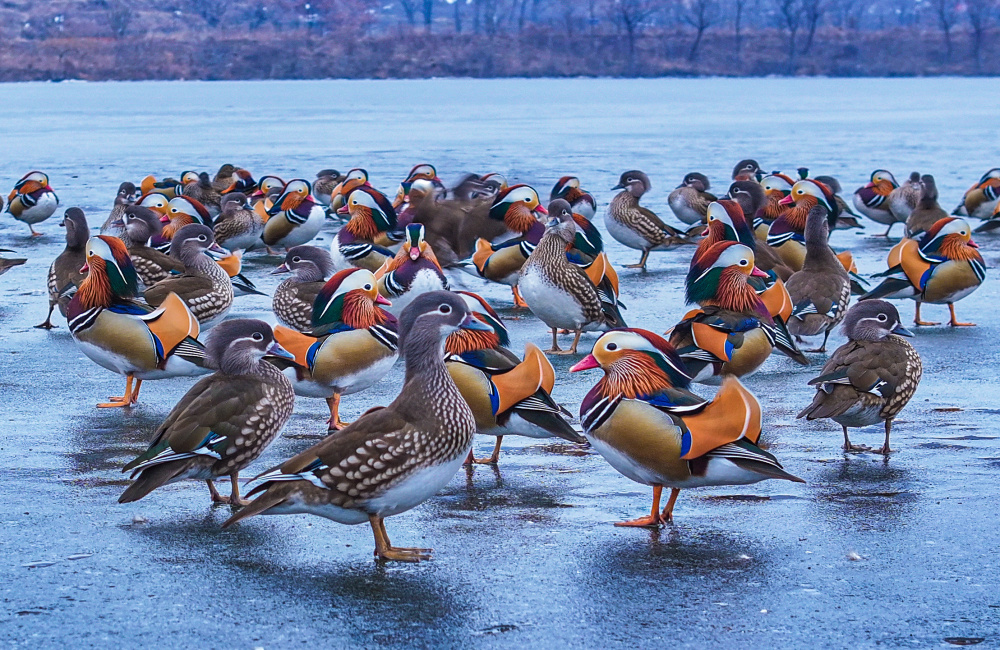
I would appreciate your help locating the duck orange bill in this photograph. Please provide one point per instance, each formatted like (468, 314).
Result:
(757, 273)
(788, 200)
(379, 300)
(587, 363)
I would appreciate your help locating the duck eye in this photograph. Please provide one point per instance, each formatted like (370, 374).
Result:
(368, 287)
(445, 309)
(883, 318)
(527, 199)
(296, 260)
(202, 238)
(610, 347)
(257, 336)
(743, 262)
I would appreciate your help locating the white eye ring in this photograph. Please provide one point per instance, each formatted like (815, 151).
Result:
(368, 287)
(296, 260)
(445, 309)
(202, 238)
(883, 318)
(743, 262)
(257, 336)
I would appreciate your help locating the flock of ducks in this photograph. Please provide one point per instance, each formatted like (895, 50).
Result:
(167, 266)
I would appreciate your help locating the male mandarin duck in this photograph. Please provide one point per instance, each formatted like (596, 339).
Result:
(295, 218)
(202, 191)
(293, 300)
(224, 178)
(690, 199)
(157, 202)
(180, 211)
(65, 273)
(644, 421)
(872, 200)
(138, 226)
(928, 211)
(354, 179)
(560, 293)
(224, 422)
(580, 201)
(821, 290)
(746, 170)
(942, 268)
(32, 200)
(846, 218)
(326, 181)
(870, 378)
(413, 271)
(904, 199)
(371, 213)
(169, 187)
(516, 207)
(124, 198)
(238, 226)
(776, 188)
(203, 286)
(423, 171)
(992, 223)
(726, 222)
(981, 200)
(507, 396)
(352, 345)
(635, 226)
(127, 337)
(242, 182)
(268, 187)
(393, 458)
(732, 332)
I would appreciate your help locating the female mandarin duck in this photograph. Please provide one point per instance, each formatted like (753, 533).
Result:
(32, 200)
(124, 198)
(293, 300)
(393, 458)
(295, 218)
(776, 187)
(238, 227)
(690, 199)
(580, 201)
(423, 171)
(352, 345)
(904, 199)
(560, 293)
(746, 170)
(326, 181)
(870, 378)
(224, 422)
(201, 190)
(516, 207)
(507, 396)
(732, 332)
(413, 271)
(642, 419)
(203, 286)
(65, 274)
(942, 268)
(928, 211)
(224, 178)
(872, 200)
(821, 291)
(726, 222)
(635, 226)
(371, 213)
(127, 337)
(982, 199)
(138, 226)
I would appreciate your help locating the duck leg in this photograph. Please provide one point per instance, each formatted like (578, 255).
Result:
(916, 318)
(135, 393)
(667, 516)
(954, 319)
(34, 233)
(47, 325)
(555, 349)
(216, 497)
(653, 519)
(335, 423)
(235, 498)
(493, 458)
(518, 300)
(124, 400)
(888, 429)
(849, 447)
(821, 348)
(641, 264)
(385, 551)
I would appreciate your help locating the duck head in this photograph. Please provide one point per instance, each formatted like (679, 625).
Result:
(565, 187)
(561, 222)
(726, 222)
(183, 211)
(882, 177)
(110, 273)
(749, 194)
(950, 238)
(192, 241)
(872, 320)
(696, 180)
(189, 177)
(720, 277)
(775, 184)
(516, 207)
(414, 243)
(634, 182)
(225, 172)
(370, 211)
(494, 183)
(993, 174)
(636, 363)
(426, 323)
(126, 194)
(423, 171)
(140, 223)
(29, 184)
(808, 193)
(242, 182)
(232, 203)
(77, 230)
(295, 193)
(157, 202)
(355, 178)
(308, 263)
(746, 170)
(351, 297)
(268, 184)
(467, 340)
(236, 346)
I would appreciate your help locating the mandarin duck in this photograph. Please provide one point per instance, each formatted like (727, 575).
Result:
(690, 199)
(516, 207)
(326, 181)
(179, 212)
(776, 187)
(242, 181)
(7, 263)
(202, 191)
(746, 170)
(421, 172)
(124, 198)
(169, 187)
(238, 226)
(981, 200)
(821, 290)
(846, 218)
(295, 218)
(293, 300)
(418, 192)
(371, 213)
(928, 211)
(455, 226)
(65, 274)
(507, 396)
(413, 271)
(32, 200)
(943, 267)
(223, 178)
(352, 345)
(870, 378)
(125, 336)
(580, 201)
(644, 421)
(268, 188)
(203, 286)
(157, 202)
(560, 293)
(138, 226)
(726, 222)
(872, 200)
(635, 226)
(904, 199)
(354, 179)
(225, 421)
(731, 333)
(393, 458)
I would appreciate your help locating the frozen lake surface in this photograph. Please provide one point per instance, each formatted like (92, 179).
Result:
(526, 555)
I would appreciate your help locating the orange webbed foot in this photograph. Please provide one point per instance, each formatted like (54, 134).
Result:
(649, 521)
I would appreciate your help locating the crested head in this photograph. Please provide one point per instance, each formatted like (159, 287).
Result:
(309, 263)
(183, 210)
(749, 194)
(236, 347)
(990, 175)
(349, 297)
(883, 176)
(720, 277)
(950, 238)
(423, 170)
(697, 180)
(516, 206)
(636, 362)
(872, 320)
(155, 201)
(77, 230)
(563, 186)
(776, 183)
(268, 184)
(634, 182)
(561, 221)
(745, 170)
(110, 273)
(141, 223)
(726, 222)
(371, 212)
(466, 340)
(225, 171)
(494, 182)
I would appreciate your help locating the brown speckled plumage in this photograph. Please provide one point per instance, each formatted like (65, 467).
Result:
(204, 286)
(293, 299)
(64, 273)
